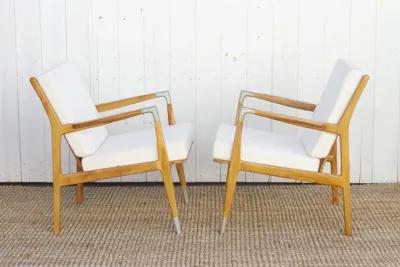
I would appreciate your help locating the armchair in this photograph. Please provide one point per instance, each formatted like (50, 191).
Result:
(99, 155)
(246, 149)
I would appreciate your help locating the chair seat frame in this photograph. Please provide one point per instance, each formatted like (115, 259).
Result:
(334, 179)
(80, 177)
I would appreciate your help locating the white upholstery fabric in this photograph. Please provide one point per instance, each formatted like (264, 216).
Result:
(140, 146)
(339, 90)
(264, 147)
(66, 91)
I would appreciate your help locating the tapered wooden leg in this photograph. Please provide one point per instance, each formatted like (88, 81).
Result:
(79, 187)
(169, 188)
(335, 195)
(181, 175)
(230, 190)
(347, 210)
(334, 170)
(57, 207)
(335, 192)
(79, 193)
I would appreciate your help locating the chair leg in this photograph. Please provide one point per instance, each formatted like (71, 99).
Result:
(79, 193)
(79, 187)
(335, 195)
(57, 207)
(230, 190)
(169, 188)
(347, 210)
(181, 175)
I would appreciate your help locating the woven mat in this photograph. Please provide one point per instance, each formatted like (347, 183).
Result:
(285, 225)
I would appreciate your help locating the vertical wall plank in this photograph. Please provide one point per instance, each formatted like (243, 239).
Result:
(338, 46)
(183, 69)
(234, 59)
(78, 31)
(131, 63)
(285, 61)
(29, 62)
(208, 91)
(10, 167)
(106, 35)
(157, 50)
(362, 54)
(311, 67)
(54, 52)
(386, 123)
(259, 64)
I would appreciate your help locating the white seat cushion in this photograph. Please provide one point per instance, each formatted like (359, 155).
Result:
(67, 93)
(140, 146)
(264, 147)
(342, 84)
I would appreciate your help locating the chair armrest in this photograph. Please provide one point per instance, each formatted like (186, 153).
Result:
(132, 100)
(277, 100)
(74, 127)
(305, 123)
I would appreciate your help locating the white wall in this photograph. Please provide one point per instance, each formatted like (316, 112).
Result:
(205, 52)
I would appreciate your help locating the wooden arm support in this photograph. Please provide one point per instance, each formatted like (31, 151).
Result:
(138, 99)
(74, 127)
(321, 126)
(273, 99)
(277, 100)
(133, 100)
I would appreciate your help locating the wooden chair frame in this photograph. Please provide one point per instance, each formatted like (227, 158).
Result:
(334, 179)
(80, 177)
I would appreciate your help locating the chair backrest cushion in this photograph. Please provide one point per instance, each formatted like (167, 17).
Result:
(67, 93)
(342, 83)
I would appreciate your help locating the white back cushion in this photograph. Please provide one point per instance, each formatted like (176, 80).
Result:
(338, 92)
(66, 91)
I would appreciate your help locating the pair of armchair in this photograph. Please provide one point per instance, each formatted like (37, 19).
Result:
(73, 114)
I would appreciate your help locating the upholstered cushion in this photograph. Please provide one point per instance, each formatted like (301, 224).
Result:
(339, 90)
(140, 146)
(264, 147)
(66, 91)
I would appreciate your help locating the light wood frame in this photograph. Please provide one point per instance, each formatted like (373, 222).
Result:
(334, 179)
(80, 177)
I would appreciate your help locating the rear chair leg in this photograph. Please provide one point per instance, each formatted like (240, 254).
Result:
(79, 193)
(347, 210)
(230, 190)
(335, 195)
(181, 175)
(334, 171)
(79, 187)
(57, 206)
(169, 188)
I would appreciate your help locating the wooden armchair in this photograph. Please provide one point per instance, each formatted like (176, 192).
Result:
(99, 155)
(250, 150)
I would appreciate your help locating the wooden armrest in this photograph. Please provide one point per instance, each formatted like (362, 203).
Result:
(74, 127)
(277, 99)
(305, 123)
(132, 100)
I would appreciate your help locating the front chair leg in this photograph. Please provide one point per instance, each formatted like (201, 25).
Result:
(57, 206)
(79, 193)
(79, 187)
(169, 188)
(181, 175)
(229, 192)
(347, 210)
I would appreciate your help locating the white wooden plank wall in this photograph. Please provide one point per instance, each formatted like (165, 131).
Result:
(205, 52)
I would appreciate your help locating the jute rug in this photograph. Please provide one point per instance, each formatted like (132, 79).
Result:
(284, 225)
